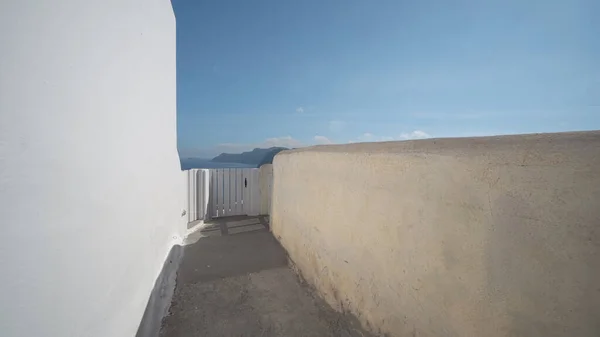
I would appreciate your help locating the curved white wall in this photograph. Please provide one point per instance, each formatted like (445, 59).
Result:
(91, 193)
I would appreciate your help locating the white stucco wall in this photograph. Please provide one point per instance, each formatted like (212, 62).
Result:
(91, 193)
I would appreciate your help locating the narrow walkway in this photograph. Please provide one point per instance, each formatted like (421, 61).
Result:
(234, 281)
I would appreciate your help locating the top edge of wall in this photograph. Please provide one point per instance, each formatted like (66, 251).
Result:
(473, 145)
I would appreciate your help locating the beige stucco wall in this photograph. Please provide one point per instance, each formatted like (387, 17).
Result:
(265, 179)
(496, 236)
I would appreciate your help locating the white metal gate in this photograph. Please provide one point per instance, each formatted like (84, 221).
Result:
(234, 192)
(227, 192)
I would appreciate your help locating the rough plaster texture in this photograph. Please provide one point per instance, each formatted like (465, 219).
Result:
(266, 185)
(91, 192)
(494, 236)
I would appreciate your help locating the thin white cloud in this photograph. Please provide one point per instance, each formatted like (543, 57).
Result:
(286, 141)
(336, 126)
(300, 109)
(291, 142)
(322, 140)
(366, 137)
(447, 116)
(369, 137)
(417, 134)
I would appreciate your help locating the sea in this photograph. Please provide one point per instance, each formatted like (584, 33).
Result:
(190, 163)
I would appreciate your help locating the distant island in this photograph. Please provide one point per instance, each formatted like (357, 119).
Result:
(256, 157)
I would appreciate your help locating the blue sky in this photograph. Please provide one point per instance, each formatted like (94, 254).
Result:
(295, 73)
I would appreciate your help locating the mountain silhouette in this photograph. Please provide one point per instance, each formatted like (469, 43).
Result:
(256, 157)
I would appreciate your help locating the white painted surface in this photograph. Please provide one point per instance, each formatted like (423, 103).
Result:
(91, 193)
(219, 196)
(247, 183)
(255, 194)
(192, 195)
(239, 207)
(227, 192)
(213, 195)
(198, 184)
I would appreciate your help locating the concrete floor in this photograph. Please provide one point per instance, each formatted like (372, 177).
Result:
(234, 281)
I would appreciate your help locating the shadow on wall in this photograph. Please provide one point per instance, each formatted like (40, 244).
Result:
(162, 293)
